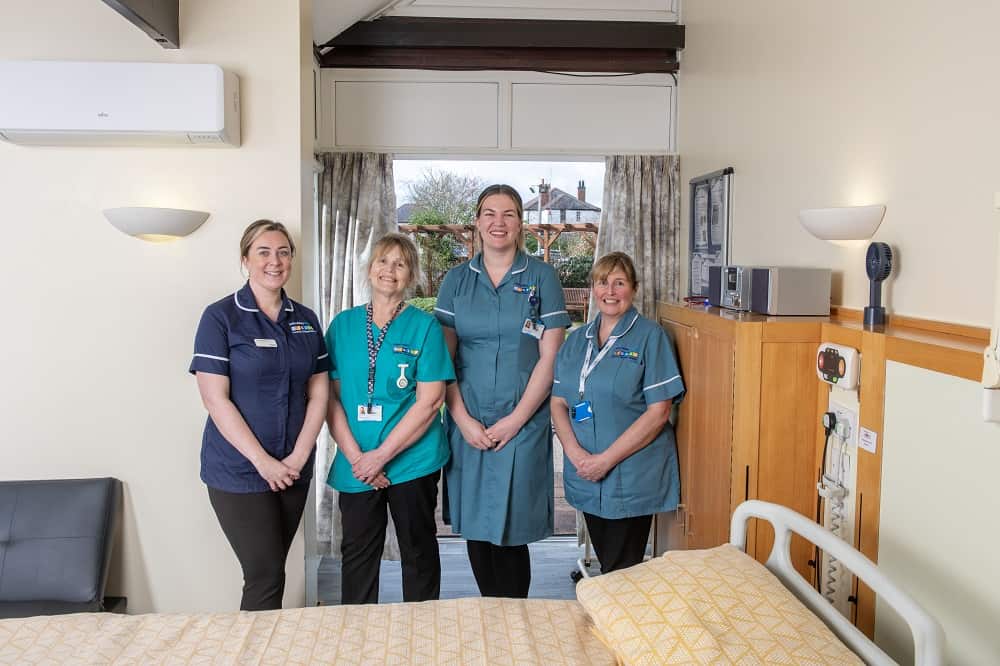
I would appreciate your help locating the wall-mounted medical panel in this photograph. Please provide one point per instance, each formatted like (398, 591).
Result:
(588, 117)
(415, 115)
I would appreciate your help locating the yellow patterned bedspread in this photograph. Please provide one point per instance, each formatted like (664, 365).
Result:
(456, 631)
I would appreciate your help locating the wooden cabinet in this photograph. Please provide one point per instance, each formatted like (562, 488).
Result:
(747, 428)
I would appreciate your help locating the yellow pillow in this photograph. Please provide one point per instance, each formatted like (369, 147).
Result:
(706, 607)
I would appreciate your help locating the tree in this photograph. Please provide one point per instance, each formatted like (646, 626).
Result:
(451, 195)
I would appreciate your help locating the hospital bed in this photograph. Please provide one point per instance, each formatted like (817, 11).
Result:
(708, 606)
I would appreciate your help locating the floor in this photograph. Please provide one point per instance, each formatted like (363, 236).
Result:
(552, 561)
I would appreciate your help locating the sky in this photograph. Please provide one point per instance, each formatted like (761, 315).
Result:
(520, 175)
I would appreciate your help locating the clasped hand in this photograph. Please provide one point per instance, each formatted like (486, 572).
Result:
(592, 467)
(369, 468)
(493, 438)
(278, 474)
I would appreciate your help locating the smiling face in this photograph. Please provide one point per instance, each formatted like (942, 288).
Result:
(499, 222)
(390, 274)
(268, 260)
(614, 294)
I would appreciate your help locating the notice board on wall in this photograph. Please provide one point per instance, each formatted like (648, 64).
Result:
(711, 217)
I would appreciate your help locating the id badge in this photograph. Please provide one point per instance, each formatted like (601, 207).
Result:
(374, 415)
(582, 411)
(533, 328)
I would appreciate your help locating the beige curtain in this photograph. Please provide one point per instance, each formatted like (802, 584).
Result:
(641, 217)
(357, 201)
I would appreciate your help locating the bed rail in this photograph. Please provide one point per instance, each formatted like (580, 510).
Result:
(928, 636)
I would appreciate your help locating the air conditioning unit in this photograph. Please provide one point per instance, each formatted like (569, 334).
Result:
(118, 104)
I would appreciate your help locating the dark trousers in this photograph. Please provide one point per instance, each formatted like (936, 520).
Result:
(500, 571)
(364, 519)
(618, 542)
(260, 528)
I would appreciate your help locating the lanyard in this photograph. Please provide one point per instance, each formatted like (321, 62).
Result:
(374, 346)
(587, 366)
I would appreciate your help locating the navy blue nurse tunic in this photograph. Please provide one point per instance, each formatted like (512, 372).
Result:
(269, 365)
(504, 497)
(638, 370)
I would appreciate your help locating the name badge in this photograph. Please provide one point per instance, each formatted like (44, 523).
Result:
(265, 342)
(533, 328)
(582, 411)
(364, 414)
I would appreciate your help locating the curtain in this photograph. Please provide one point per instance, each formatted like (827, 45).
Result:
(641, 217)
(357, 206)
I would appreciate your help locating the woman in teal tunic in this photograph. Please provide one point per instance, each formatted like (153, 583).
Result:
(503, 315)
(388, 369)
(615, 382)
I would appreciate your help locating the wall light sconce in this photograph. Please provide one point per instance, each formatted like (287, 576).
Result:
(845, 223)
(155, 224)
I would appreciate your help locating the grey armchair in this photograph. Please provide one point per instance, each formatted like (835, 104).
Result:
(56, 538)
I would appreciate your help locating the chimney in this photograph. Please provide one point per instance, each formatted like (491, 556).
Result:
(543, 194)
(581, 191)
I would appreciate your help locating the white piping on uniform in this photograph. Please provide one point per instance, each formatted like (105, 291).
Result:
(554, 313)
(290, 308)
(522, 268)
(237, 301)
(556, 381)
(320, 358)
(215, 358)
(444, 311)
(652, 386)
(474, 268)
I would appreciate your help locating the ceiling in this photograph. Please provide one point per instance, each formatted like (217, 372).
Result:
(331, 17)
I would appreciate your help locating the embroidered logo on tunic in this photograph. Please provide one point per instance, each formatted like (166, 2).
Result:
(524, 288)
(301, 327)
(623, 352)
(406, 349)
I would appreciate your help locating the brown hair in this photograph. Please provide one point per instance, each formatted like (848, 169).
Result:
(406, 247)
(506, 190)
(259, 227)
(607, 264)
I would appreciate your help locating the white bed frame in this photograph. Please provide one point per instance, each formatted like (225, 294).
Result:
(928, 636)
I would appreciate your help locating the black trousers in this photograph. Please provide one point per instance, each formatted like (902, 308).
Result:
(260, 528)
(618, 542)
(364, 519)
(500, 571)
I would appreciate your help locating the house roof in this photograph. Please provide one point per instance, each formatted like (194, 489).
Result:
(559, 200)
(404, 213)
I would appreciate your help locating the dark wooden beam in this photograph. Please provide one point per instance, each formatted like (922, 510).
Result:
(420, 32)
(160, 19)
(534, 59)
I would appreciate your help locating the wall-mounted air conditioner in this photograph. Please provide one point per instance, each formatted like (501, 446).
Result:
(118, 104)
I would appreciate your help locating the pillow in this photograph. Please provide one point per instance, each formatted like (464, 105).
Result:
(706, 607)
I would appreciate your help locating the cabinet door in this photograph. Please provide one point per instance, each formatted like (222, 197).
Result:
(704, 433)
(670, 531)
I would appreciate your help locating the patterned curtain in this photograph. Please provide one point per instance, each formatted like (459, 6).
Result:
(357, 200)
(641, 217)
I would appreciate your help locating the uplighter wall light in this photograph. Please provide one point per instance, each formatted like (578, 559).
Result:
(845, 223)
(155, 224)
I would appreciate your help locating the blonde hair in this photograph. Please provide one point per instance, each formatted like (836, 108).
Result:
(506, 190)
(253, 232)
(406, 247)
(607, 264)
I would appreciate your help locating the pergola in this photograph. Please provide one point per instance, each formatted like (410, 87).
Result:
(545, 233)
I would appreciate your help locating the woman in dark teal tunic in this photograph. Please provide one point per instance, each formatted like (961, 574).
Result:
(503, 316)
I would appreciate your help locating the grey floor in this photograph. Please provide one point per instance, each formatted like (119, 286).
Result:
(552, 561)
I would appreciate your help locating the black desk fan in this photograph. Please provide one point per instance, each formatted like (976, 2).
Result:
(878, 264)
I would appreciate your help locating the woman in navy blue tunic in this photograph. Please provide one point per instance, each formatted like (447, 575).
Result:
(503, 315)
(261, 366)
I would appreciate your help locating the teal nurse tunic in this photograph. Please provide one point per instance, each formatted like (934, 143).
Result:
(414, 348)
(503, 497)
(638, 370)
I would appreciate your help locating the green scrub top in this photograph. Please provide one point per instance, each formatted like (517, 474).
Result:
(638, 370)
(504, 497)
(415, 341)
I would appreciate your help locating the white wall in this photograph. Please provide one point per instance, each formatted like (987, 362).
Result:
(841, 103)
(100, 325)
(938, 535)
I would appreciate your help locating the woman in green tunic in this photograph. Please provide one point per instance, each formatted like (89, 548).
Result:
(503, 315)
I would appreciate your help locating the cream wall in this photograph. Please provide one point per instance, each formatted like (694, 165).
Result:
(840, 103)
(100, 325)
(938, 536)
